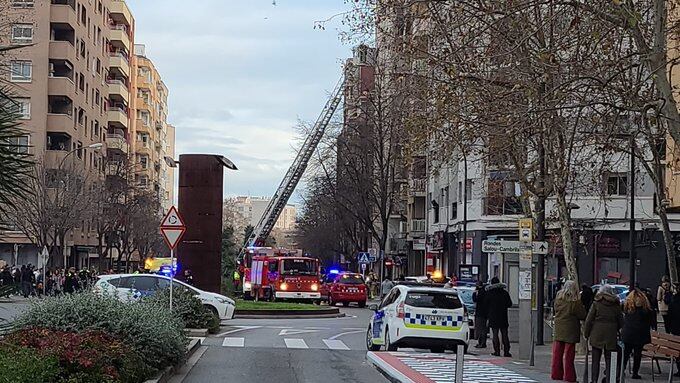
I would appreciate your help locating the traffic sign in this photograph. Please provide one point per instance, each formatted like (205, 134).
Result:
(526, 226)
(172, 219)
(363, 258)
(496, 246)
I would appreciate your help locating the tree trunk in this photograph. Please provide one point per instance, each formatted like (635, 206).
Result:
(567, 243)
(668, 241)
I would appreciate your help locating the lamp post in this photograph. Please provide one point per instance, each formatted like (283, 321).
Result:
(95, 146)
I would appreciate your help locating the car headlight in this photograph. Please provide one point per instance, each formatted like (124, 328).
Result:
(284, 286)
(315, 287)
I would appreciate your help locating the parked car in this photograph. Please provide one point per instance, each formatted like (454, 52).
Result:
(130, 287)
(620, 290)
(421, 317)
(344, 288)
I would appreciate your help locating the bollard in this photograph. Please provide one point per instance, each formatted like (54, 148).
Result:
(460, 355)
(613, 367)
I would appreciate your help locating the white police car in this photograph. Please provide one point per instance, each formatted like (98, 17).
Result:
(419, 317)
(131, 287)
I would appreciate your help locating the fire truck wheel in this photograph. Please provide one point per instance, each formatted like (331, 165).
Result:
(316, 301)
(345, 304)
(247, 296)
(362, 304)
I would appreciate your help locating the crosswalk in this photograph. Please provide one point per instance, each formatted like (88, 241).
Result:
(291, 343)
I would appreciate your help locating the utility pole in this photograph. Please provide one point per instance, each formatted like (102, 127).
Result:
(540, 236)
(632, 256)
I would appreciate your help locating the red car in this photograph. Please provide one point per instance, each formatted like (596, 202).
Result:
(344, 288)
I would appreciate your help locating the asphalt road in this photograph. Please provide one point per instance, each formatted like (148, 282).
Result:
(288, 350)
(10, 309)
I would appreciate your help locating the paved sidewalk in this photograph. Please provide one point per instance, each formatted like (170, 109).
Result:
(481, 367)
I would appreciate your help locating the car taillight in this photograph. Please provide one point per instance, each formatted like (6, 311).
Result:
(400, 311)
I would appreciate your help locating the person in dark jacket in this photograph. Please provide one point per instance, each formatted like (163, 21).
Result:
(26, 280)
(498, 302)
(674, 318)
(637, 324)
(569, 312)
(481, 312)
(587, 296)
(71, 284)
(602, 326)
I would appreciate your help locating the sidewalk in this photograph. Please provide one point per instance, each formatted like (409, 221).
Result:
(481, 367)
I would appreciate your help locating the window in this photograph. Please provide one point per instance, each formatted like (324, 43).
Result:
(22, 107)
(23, 3)
(617, 184)
(79, 153)
(144, 162)
(468, 191)
(21, 71)
(22, 33)
(433, 300)
(20, 144)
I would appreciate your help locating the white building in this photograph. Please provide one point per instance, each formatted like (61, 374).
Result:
(252, 209)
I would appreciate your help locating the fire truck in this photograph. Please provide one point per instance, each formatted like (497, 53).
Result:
(270, 273)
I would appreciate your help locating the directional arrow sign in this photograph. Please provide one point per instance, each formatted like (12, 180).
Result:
(172, 219)
(172, 235)
(494, 246)
(295, 331)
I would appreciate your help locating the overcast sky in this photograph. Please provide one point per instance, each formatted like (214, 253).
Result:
(240, 74)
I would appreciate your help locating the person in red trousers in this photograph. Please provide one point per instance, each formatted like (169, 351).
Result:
(569, 312)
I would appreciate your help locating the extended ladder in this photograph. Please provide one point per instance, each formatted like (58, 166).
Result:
(296, 171)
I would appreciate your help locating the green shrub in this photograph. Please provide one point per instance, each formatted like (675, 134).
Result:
(22, 365)
(152, 333)
(185, 306)
(89, 356)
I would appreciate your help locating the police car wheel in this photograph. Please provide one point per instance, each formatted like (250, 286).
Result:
(369, 341)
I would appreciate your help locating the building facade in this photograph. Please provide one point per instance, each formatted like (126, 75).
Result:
(252, 209)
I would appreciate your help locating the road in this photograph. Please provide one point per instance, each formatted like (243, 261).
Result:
(9, 309)
(288, 350)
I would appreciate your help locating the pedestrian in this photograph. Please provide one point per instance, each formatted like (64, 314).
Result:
(188, 277)
(385, 287)
(236, 280)
(26, 278)
(674, 319)
(481, 312)
(664, 296)
(569, 312)
(71, 284)
(654, 305)
(637, 324)
(498, 302)
(587, 296)
(602, 326)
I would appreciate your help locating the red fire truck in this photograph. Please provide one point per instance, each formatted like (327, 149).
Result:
(279, 274)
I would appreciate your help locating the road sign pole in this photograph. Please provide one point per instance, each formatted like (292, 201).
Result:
(172, 274)
(525, 281)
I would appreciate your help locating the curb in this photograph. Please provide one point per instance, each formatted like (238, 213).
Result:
(165, 375)
(265, 316)
(196, 332)
(391, 373)
(289, 313)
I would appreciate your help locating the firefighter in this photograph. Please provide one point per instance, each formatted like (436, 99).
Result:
(237, 280)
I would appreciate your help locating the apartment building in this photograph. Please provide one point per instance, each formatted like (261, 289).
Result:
(252, 209)
(71, 83)
(150, 128)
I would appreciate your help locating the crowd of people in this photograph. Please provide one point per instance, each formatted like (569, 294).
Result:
(609, 325)
(29, 279)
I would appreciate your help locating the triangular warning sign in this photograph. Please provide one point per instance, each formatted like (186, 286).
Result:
(172, 235)
(172, 219)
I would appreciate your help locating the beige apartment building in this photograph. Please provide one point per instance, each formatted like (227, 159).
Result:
(252, 209)
(154, 138)
(82, 92)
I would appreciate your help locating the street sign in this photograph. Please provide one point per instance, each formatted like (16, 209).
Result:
(172, 228)
(496, 246)
(172, 219)
(526, 227)
(172, 235)
(363, 258)
(363, 268)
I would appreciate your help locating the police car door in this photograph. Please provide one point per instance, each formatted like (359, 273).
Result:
(383, 315)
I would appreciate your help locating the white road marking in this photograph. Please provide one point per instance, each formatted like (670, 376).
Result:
(345, 333)
(234, 342)
(335, 344)
(295, 343)
(241, 328)
(279, 327)
(295, 331)
(317, 328)
(354, 328)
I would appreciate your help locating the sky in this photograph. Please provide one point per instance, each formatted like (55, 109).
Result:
(241, 74)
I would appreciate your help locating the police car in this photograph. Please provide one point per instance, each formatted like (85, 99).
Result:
(419, 317)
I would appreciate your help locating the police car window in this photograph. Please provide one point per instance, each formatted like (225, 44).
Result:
(163, 283)
(124, 282)
(388, 299)
(434, 300)
(145, 283)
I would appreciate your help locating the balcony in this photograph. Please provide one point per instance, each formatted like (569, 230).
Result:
(118, 89)
(119, 37)
(118, 60)
(62, 50)
(502, 206)
(63, 13)
(117, 116)
(120, 13)
(417, 225)
(143, 147)
(417, 187)
(61, 86)
(143, 126)
(57, 141)
(116, 142)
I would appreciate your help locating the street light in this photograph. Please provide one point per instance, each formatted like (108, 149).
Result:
(96, 146)
(170, 161)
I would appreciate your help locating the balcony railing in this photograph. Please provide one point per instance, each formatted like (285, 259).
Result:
(116, 82)
(417, 185)
(502, 206)
(119, 55)
(417, 225)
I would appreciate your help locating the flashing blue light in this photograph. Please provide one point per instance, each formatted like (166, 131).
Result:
(334, 271)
